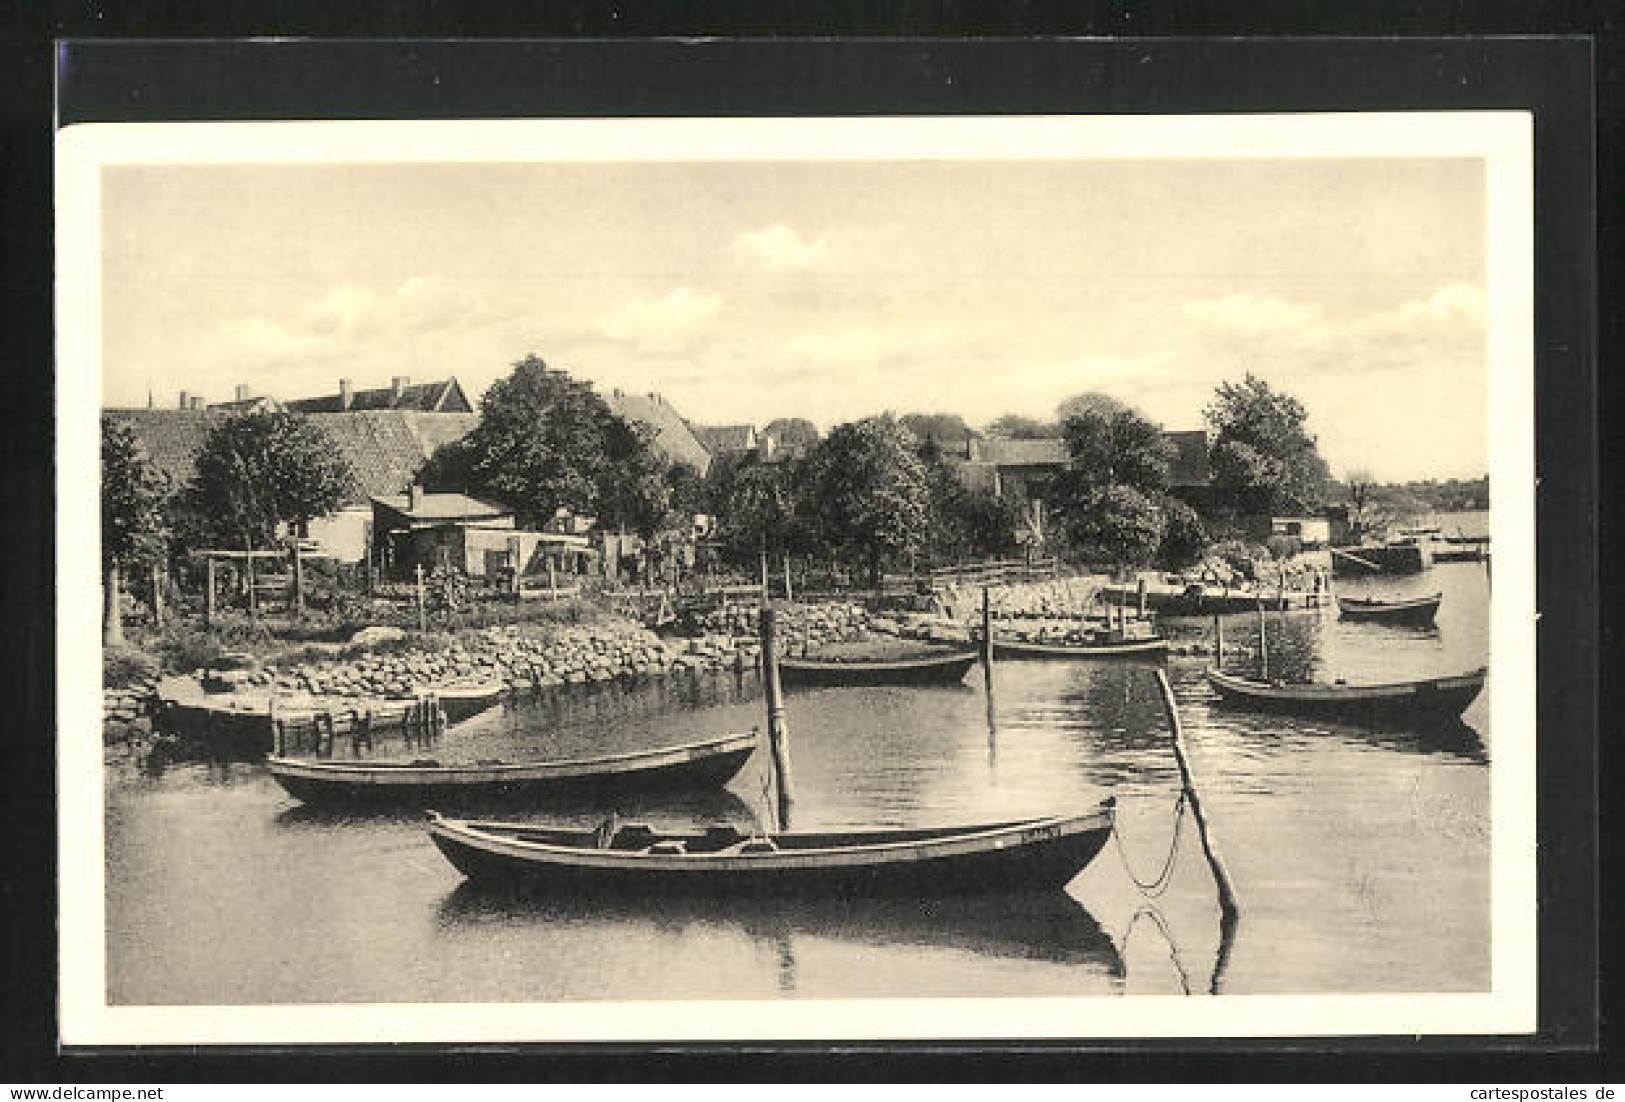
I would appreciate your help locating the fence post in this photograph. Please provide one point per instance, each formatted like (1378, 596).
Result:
(515, 550)
(157, 597)
(423, 616)
(208, 593)
(298, 576)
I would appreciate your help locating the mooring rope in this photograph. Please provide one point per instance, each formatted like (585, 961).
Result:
(1160, 885)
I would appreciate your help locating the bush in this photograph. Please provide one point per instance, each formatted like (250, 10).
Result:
(1184, 537)
(123, 666)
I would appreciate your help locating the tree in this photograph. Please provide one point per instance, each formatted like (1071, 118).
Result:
(1089, 402)
(756, 505)
(263, 469)
(1116, 524)
(1184, 536)
(1013, 426)
(134, 531)
(1360, 488)
(1261, 442)
(267, 468)
(1112, 445)
(867, 490)
(544, 442)
(944, 432)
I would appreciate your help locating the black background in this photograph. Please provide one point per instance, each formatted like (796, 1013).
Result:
(801, 75)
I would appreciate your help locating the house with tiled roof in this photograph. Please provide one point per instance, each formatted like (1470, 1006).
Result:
(673, 436)
(385, 448)
(726, 440)
(445, 396)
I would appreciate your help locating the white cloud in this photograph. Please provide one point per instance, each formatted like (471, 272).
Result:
(1253, 315)
(779, 248)
(661, 323)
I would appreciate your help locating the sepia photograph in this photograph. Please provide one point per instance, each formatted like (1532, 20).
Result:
(705, 578)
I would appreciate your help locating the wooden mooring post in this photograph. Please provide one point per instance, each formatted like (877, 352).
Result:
(1210, 847)
(1263, 644)
(778, 734)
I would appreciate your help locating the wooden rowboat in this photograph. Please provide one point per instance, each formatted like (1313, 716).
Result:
(1405, 702)
(943, 669)
(1149, 647)
(1416, 611)
(708, 764)
(1024, 855)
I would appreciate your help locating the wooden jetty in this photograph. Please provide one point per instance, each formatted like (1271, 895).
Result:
(1384, 558)
(1429, 700)
(708, 764)
(1410, 611)
(1021, 855)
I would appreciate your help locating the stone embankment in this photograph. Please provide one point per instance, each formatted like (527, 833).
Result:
(127, 712)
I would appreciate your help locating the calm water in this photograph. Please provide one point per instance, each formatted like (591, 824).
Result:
(1361, 861)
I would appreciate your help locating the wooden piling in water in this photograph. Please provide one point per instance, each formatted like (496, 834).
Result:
(778, 734)
(1210, 847)
(1218, 641)
(1263, 644)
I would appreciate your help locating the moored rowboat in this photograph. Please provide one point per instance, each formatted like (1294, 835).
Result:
(1407, 702)
(1415, 610)
(709, 764)
(1025, 855)
(944, 669)
(1154, 646)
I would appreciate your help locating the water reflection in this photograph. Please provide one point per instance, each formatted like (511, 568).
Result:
(1051, 927)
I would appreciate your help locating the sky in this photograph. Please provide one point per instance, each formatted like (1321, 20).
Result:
(747, 291)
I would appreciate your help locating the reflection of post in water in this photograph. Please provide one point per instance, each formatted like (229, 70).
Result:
(787, 960)
(1149, 910)
(1229, 913)
(987, 678)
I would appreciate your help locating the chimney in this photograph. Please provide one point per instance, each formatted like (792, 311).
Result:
(197, 401)
(414, 497)
(397, 385)
(346, 395)
(241, 392)
(185, 402)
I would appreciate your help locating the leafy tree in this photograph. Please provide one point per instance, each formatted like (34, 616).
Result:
(544, 442)
(868, 492)
(1261, 442)
(1117, 524)
(946, 433)
(685, 490)
(266, 468)
(1013, 426)
(1112, 445)
(1184, 536)
(262, 469)
(1089, 402)
(134, 532)
(756, 505)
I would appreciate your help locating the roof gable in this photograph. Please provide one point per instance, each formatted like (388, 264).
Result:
(673, 437)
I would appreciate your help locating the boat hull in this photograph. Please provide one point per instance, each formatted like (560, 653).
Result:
(1406, 703)
(696, 766)
(1418, 613)
(946, 670)
(1150, 650)
(1044, 855)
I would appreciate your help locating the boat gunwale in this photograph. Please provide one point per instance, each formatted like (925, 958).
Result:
(817, 665)
(1329, 691)
(1377, 604)
(407, 772)
(974, 840)
(1062, 650)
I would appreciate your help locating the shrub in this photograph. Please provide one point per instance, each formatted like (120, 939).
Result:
(123, 666)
